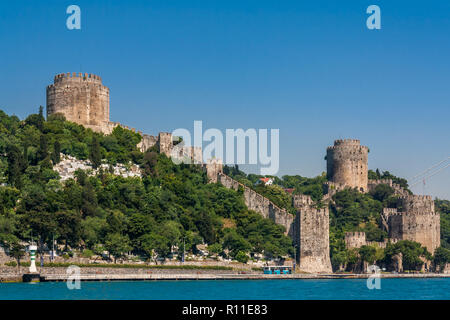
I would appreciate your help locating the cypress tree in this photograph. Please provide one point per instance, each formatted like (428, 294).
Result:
(15, 166)
(56, 151)
(95, 154)
(41, 120)
(43, 148)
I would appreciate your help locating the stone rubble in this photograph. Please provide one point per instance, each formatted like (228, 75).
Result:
(68, 165)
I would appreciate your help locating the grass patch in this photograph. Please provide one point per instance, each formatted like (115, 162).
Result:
(131, 266)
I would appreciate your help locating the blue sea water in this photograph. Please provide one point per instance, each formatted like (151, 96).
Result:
(347, 289)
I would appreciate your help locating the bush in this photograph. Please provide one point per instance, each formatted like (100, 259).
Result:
(215, 248)
(87, 253)
(11, 264)
(242, 257)
(441, 257)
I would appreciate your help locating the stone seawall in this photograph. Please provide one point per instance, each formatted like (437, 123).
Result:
(13, 271)
(261, 204)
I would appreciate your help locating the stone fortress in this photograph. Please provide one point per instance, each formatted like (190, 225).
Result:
(347, 164)
(83, 99)
(417, 220)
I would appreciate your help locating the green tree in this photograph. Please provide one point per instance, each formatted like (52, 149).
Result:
(368, 254)
(441, 257)
(43, 148)
(41, 119)
(412, 254)
(215, 248)
(171, 230)
(69, 227)
(95, 154)
(15, 250)
(117, 245)
(235, 243)
(157, 243)
(56, 152)
(382, 192)
(242, 257)
(16, 165)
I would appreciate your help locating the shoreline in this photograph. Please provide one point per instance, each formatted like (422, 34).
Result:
(62, 277)
(190, 277)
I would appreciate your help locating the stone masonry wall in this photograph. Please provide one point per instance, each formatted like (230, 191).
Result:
(213, 168)
(260, 204)
(347, 164)
(420, 222)
(358, 239)
(82, 98)
(417, 221)
(398, 190)
(312, 236)
(355, 239)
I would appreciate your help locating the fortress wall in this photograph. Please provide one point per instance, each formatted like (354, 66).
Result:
(422, 229)
(213, 168)
(358, 239)
(418, 221)
(355, 239)
(395, 222)
(147, 142)
(258, 203)
(165, 143)
(312, 237)
(398, 190)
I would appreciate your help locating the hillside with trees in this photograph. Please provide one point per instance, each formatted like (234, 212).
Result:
(352, 211)
(171, 207)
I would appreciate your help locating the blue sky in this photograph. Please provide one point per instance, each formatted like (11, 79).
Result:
(310, 68)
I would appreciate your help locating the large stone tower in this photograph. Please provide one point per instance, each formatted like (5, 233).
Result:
(81, 98)
(312, 235)
(417, 221)
(347, 164)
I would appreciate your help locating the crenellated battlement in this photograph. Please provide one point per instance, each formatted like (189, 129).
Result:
(396, 213)
(347, 143)
(355, 142)
(301, 200)
(358, 234)
(358, 239)
(417, 197)
(398, 189)
(389, 211)
(74, 76)
(355, 239)
(389, 182)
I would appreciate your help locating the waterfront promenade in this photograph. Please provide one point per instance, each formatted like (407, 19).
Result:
(193, 276)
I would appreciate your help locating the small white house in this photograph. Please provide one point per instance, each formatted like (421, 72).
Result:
(266, 181)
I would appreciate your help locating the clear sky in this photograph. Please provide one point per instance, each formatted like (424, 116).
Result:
(310, 68)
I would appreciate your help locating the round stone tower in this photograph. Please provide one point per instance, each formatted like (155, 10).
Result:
(347, 164)
(81, 98)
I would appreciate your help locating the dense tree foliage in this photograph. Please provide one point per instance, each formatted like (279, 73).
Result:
(377, 175)
(277, 192)
(443, 207)
(171, 207)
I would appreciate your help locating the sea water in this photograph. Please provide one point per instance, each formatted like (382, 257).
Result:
(347, 289)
